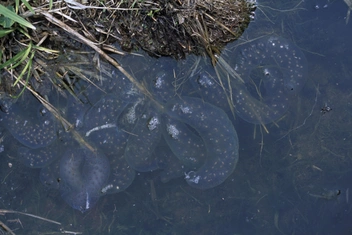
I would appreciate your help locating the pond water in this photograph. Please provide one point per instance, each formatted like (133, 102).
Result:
(260, 144)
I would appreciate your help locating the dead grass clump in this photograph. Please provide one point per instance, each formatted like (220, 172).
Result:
(176, 28)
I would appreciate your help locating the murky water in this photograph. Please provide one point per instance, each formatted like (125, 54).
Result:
(185, 138)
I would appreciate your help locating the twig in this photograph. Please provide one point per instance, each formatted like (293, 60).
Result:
(75, 5)
(305, 120)
(3, 211)
(7, 229)
(81, 38)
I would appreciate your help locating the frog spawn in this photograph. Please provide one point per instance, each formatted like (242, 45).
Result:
(270, 72)
(180, 135)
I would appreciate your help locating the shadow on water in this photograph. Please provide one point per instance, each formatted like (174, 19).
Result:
(293, 180)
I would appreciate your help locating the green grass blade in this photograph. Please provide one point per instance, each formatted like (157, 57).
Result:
(13, 16)
(28, 68)
(5, 32)
(6, 22)
(28, 6)
(17, 59)
(17, 4)
(22, 29)
(50, 4)
(13, 60)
